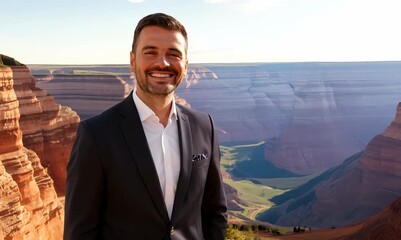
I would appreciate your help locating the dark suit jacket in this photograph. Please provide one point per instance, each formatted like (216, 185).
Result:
(113, 191)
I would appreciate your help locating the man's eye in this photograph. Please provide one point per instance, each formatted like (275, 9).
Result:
(150, 53)
(175, 55)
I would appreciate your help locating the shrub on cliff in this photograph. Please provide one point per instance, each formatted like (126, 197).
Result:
(234, 234)
(9, 61)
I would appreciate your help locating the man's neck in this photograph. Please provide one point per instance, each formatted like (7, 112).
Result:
(160, 105)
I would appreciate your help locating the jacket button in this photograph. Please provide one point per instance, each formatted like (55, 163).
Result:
(172, 231)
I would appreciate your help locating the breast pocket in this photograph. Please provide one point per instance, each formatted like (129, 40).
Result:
(200, 160)
(200, 164)
(199, 173)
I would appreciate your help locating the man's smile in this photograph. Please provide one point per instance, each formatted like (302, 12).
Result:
(161, 75)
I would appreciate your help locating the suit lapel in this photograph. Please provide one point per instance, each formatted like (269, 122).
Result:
(185, 138)
(135, 137)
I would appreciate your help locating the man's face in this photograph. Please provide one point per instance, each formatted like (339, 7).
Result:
(160, 61)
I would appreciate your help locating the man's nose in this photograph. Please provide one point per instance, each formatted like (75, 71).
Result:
(162, 61)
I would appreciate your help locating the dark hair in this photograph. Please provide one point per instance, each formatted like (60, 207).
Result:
(160, 20)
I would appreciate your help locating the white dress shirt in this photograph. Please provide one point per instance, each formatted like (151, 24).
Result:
(164, 147)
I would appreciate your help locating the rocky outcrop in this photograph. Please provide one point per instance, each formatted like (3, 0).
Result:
(384, 151)
(48, 128)
(358, 188)
(196, 74)
(29, 206)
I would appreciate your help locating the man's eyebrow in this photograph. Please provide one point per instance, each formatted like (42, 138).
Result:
(148, 47)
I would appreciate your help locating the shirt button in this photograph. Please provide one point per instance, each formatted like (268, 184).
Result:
(172, 231)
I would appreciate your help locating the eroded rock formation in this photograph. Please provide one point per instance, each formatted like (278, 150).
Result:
(29, 206)
(48, 128)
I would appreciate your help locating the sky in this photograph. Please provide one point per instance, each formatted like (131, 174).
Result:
(219, 31)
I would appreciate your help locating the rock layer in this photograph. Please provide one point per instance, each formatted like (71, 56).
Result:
(48, 128)
(29, 206)
(351, 192)
(88, 95)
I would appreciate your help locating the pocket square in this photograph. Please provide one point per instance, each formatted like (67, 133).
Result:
(199, 157)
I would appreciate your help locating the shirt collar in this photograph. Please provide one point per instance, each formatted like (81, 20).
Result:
(145, 112)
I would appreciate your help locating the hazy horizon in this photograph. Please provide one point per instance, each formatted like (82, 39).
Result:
(212, 63)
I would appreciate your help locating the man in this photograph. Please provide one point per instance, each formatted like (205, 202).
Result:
(147, 168)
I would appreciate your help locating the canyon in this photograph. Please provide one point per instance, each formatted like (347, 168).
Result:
(312, 116)
(361, 186)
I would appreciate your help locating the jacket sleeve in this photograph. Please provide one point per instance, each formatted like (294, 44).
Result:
(84, 188)
(214, 205)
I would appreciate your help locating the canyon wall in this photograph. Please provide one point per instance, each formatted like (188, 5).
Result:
(88, 92)
(48, 128)
(29, 206)
(360, 187)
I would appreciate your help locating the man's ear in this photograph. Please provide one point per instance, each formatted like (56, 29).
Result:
(186, 67)
(132, 62)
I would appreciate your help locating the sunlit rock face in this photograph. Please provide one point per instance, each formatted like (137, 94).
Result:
(350, 192)
(384, 151)
(48, 128)
(29, 206)
(311, 115)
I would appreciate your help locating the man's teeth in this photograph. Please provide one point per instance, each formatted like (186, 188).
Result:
(160, 75)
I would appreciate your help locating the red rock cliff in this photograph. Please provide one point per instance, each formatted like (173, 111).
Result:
(48, 128)
(355, 190)
(383, 152)
(29, 207)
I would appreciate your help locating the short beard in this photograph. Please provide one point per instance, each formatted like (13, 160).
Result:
(161, 91)
(155, 90)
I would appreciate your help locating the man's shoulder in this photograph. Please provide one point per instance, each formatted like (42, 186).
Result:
(191, 111)
(196, 117)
